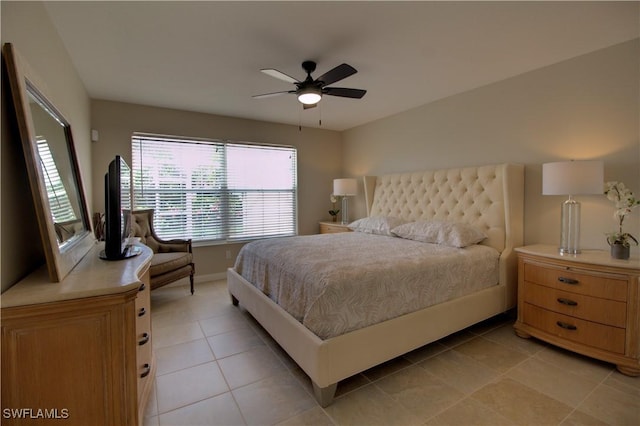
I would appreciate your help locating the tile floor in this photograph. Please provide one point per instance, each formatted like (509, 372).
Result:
(217, 366)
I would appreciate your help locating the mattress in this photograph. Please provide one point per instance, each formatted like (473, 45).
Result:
(337, 283)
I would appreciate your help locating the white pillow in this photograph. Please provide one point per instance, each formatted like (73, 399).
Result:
(379, 225)
(452, 234)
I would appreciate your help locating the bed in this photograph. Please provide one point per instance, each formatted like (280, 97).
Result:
(486, 198)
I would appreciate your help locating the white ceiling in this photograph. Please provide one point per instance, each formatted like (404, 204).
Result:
(206, 56)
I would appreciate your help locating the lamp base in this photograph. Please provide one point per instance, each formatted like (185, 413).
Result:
(563, 251)
(570, 227)
(345, 210)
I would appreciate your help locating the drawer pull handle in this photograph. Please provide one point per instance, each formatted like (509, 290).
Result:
(566, 326)
(147, 370)
(567, 302)
(141, 312)
(145, 339)
(566, 280)
(142, 287)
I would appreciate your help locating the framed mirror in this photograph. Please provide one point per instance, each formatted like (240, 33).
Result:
(52, 167)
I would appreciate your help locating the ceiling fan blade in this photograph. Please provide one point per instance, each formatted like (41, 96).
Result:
(308, 106)
(279, 75)
(337, 74)
(344, 92)
(268, 95)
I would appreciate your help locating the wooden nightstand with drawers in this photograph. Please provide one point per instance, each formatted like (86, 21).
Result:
(587, 303)
(333, 227)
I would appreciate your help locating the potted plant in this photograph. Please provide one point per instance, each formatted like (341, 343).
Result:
(624, 201)
(334, 212)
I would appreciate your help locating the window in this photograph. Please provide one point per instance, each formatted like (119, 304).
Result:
(212, 190)
(59, 202)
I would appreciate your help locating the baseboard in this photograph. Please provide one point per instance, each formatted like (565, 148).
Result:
(199, 279)
(210, 277)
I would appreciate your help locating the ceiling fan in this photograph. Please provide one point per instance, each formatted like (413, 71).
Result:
(310, 91)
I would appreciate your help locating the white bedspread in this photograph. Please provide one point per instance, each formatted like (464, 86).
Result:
(336, 283)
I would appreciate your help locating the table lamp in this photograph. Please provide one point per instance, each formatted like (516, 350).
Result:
(345, 188)
(572, 178)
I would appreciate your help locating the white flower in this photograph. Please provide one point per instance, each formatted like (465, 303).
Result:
(333, 198)
(624, 202)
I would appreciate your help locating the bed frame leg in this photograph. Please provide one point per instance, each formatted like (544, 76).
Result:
(324, 396)
(234, 300)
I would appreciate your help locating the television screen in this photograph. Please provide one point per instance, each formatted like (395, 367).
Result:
(118, 198)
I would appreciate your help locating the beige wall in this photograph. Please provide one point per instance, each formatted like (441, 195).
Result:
(583, 108)
(319, 158)
(27, 26)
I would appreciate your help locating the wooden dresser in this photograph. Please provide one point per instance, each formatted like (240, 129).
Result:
(78, 352)
(587, 303)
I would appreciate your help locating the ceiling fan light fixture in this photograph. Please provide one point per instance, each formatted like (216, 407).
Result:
(310, 96)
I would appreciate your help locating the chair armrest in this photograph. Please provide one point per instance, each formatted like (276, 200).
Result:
(167, 246)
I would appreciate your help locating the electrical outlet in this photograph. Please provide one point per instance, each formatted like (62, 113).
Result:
(228, 254)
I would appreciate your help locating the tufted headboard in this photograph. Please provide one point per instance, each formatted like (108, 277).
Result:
(490, 197)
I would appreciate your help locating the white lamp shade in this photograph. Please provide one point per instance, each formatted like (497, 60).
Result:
(345, 187)
(573, 178)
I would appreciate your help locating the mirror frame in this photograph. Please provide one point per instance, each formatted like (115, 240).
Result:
(60, 260)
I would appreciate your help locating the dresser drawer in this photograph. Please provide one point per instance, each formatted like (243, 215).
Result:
(143, 335)
(577, 330)
(596, 285)
(603, 311)
(327, 228)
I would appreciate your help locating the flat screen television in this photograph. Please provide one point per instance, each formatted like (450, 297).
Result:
(117, 199)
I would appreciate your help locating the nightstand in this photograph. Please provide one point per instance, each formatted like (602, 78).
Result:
(333, 227)
(587, 303)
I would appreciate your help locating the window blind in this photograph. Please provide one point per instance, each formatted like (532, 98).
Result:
(213, 190)
(59, 202)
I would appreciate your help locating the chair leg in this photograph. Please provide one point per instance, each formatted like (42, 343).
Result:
(191, 281)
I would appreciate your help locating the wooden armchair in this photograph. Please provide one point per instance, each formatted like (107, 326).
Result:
(172, 259)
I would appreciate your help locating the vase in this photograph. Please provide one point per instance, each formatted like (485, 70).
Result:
(334, 218)
(620, 251)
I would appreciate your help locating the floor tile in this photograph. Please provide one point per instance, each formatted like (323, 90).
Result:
(386, 368)
(553, 381)
(455, 339)
(272, 400)
(505, 335)
(623, 383)
(175, 334)
(469, 412)
(351, 383)
(234, 342)
(459, 371)
(483, 375)
(369, 406)
(219, 410)
(578, 418)
(493, 355)
(171, 317)
(521, 404)
(222, 323)
(419, 392)
(183, 355)
(250, 366)
(313, 417)
(589, 368)
(191, 385)
(612, 406)
(424, 352)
